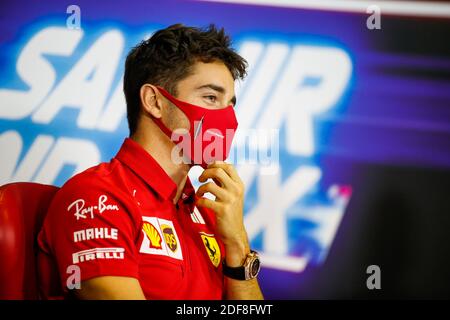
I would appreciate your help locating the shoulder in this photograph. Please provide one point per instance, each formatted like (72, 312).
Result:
(93, 191)
(101, 175)
(97, 180)
(91, 199)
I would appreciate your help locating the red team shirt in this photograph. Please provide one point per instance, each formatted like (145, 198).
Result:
(119, 219)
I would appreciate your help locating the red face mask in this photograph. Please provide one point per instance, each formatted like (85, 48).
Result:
(210, 133)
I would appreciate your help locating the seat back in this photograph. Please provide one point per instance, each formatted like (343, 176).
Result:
(23, 206)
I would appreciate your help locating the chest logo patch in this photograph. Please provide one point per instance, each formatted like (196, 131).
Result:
(160, 238)
(170, 238)
(212, 248)
(153, 235)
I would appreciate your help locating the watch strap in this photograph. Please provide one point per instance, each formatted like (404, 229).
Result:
(241, 272)
(237, 273)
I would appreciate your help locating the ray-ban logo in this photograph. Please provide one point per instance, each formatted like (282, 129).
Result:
(80, 210)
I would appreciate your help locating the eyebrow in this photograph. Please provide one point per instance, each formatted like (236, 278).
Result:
(218, 89)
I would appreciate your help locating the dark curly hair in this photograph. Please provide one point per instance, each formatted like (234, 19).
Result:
(168, 56)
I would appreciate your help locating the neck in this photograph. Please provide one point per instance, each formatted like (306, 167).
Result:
(159, 146)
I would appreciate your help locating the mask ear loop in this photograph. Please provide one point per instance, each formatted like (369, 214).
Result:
(161, 125)
(184, 107)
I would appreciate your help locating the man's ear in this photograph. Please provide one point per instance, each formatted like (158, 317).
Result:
(151, 100)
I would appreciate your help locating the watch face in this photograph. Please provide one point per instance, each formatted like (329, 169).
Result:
(254, 269)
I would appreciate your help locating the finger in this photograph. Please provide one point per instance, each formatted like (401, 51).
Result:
(228, 168)
(218, 174)
(208, 203)
(214, 189)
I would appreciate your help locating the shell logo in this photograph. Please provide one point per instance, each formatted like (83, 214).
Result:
(152, 235)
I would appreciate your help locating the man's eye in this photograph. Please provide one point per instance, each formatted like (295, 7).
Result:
(211, 98)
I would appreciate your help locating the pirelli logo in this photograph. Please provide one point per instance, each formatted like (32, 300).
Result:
(98, 253)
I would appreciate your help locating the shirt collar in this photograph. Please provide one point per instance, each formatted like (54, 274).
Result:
(147, 168)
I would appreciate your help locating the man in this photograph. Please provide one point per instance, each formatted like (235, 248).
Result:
(135, 226)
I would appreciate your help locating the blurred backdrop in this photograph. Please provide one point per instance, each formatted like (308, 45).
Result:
(359, 103)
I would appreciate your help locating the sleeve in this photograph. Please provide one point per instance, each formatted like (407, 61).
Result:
(90, 230)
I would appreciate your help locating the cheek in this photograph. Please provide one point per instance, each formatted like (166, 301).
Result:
(177, 119)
